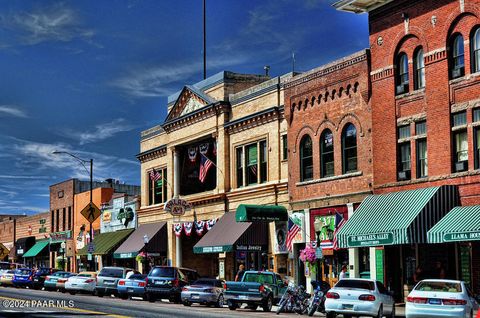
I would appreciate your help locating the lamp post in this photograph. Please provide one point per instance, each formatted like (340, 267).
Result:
(145, 242)
(318, 226)
(83, 162)
(63, 246)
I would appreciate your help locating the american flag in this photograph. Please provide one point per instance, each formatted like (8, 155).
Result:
(155, 175)
(205, 164)
(339, 222)
(293, 229)
(254, 169)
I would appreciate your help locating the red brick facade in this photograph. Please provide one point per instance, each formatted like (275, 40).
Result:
(330, 97)
(404, 27)
(61, 205)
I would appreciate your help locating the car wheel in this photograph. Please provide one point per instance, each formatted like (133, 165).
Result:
(220, 301)
(471, 313)
(150, 298)
(232, 306)
(392, 314)
(267, 306)
(252, 307)
(331, 315)
(122, 296)
(99, 293)
(187, 303)
(72, 292)
(380, 312)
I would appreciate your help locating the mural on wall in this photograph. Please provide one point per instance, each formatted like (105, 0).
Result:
(280, 238)
(119, 214)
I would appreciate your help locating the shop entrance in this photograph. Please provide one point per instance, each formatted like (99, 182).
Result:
(205, 264)
(253, 261)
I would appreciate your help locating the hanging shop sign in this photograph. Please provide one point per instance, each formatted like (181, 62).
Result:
(370, 239)
(177, 206)
(462, 236)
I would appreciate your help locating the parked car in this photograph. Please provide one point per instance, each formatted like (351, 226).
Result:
(40, 275)
(62, 280)
(83, 282)
(359, 297)
(166, 282)
(23, 277)
(6, 277)
(107, 280)
(133, 286)
(51, 281)
(256, 289)
(440, 298)
(204, 291)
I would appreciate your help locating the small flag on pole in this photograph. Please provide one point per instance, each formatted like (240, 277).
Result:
(292, 231)
(339, 222)
(155, 175)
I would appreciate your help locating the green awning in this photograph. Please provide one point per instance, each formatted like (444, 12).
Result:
(397, 218)
(460, 224)
(104, 243)
(36, 249)
(266, 213)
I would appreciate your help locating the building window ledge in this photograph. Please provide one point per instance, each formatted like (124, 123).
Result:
(327, 179)
(417, 92)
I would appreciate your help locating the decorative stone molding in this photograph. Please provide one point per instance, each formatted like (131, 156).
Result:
(152, 154)
(254, 120)
(196, 116)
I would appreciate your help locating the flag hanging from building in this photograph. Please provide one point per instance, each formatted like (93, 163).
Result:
(205, 165)
(339, 222)
(292, 231)
(155, 175)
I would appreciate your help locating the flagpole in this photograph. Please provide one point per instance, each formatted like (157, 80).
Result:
(213, 164)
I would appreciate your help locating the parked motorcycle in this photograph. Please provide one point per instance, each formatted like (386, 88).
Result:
(317, 302)
(295, 299)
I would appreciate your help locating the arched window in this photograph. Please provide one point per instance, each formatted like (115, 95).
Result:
(402, 74)
(457, 57)
(419, 69)
(475, 45)
(326, 154)
(306, 158)
(349, 148)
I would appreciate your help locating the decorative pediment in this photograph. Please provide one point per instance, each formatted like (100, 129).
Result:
(189, 101)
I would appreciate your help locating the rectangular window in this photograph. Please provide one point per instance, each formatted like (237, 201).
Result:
(460, 148)
(476, 136)
(421, 128)
(405, 157)
(52, 221)
(422, 162)
(404, 132)
(251, 163)
(157, 187)
(57, 225)
(476, 115)
(284, 148)
(64, 219)
(69, 218)
(459, 119)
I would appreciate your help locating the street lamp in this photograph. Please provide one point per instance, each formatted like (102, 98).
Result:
(145, 242)
(83, 162)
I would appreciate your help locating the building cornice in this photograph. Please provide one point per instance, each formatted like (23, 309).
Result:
(254, 120)
(152, 154)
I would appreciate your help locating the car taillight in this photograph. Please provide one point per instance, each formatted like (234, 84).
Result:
(184, 289)
(366, 297)
(454, 302)
(146, 280)
(175, 282)
(333, 295)
(417, 300)
(91, 280)
(142, 284)
(261, 288)
(121, 283)
(47, 278)
(225, 286)
(62, 280)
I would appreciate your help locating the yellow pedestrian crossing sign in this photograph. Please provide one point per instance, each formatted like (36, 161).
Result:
(91, 212)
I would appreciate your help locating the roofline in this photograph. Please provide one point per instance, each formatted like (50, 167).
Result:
(342, 5)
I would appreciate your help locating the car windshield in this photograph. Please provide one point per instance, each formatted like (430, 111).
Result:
(11, 272)
(138, 276)
(258, 278)
(445, 287)
(205, 282)
(23, 271)
(84, 275)
(163, 272)
(355, 283)
(111, 272)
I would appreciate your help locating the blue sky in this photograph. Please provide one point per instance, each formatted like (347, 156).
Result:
(88, 76)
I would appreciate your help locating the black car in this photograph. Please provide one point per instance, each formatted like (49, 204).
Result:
(166, 282)
(39, 276)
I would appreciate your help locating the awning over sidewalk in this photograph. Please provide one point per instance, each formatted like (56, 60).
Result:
(266, 213)
(228, 234)
(460, 224)
(397, 218)
(104, 243)
(157, 235)
(36, 249)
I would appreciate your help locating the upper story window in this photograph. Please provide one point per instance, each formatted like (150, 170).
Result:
(251, 163)
(475, 55)
(306, 158)
(157, 186)
(349, 148)
(476, 137)
(326, 154)
(419, 69)
(402, 74)
(421, 145)
(457, 57)
(284, 147)
(404, 153)
(460, 141)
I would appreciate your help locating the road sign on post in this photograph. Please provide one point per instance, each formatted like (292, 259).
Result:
(91, 248)
(91, 212)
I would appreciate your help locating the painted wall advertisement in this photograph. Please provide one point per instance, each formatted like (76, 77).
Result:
(119, 215)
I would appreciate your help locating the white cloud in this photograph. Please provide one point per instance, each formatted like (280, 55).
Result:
(12, 110)
(52, 24)
(102, 131)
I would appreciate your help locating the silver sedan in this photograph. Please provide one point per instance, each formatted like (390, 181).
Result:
(359, 297)
(83, 282)
(204, 291)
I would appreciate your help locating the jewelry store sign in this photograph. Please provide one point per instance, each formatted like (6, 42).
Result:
(370, 239)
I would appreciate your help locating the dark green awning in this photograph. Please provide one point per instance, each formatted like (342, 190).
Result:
(104, 243)
(460, 224)
(397, 218)
(265, 213)
(36, 249)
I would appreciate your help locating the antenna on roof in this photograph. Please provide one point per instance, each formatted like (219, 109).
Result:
(293, 62)
(267, 69)
(204, 41)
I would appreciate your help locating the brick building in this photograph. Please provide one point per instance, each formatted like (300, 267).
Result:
(35, 228)
(8, 234)
(425, 132)
(330, 157)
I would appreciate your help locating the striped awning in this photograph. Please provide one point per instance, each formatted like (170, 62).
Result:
(462, 223)
(397, 218)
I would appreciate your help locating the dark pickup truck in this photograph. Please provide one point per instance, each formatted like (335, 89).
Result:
(256, 289)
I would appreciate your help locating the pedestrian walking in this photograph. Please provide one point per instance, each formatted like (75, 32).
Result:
(343, 273)
(241, 271)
